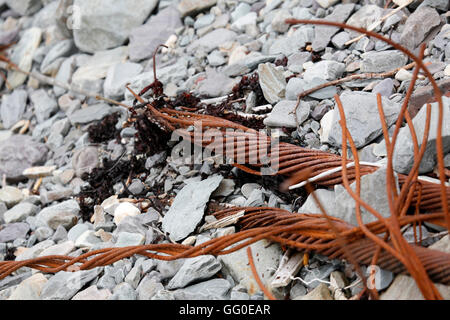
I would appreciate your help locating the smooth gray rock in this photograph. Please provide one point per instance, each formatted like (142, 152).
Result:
(77, 231)
(118, 76)
(64, 213)
(123, 291)
(404, 150)
(216, 84)
(60, 49)
(272, 82)
(325, 69)
(362, 117)
(10, 196)
(190, 7)
(91, 113)
(265, 255)
(145, 38)
(296, 61)
(323, 34)
(18, 153)
(214, 289)
(104, 26)
(12, 107)
(20, 212)
(373, 192)
(193, 270)
(64, 285)
(148, 287)
(291, 44)
(296, 86)
(442, 5)
(204, 21)
(326, 198)
(13, 231)
(418, 25)
(385, 87)
(340, 39)
(382, 61)
(22, 55)
(212, 40)
(85, 160)
(44, 105)
(282, 114)
(35, 251)
(24, 7)
(188, 208)
(126, 239)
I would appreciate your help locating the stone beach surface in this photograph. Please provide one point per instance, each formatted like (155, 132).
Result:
(54, 140)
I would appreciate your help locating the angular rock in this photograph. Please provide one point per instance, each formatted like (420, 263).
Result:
(126, 239)
(373, 192)
(193, 270)
(188, 208)
(291, 44)
(123, 210)
(404, 151)
(382, 61)
(325, 69)
(145, 38)
(24, 7)
(384, 87)
(272, 82)
(214, 289)
(216, 84)
(61, 49)
(87, 239)
(212, 40)
(405, 288)
(20, 212)
(323, 34)
(148, 287)
(296, 86)
(321, 292)
(30, 288)
(12, 107)
(103, 26)
(123, 291)
(96, 67)
(85, 160)
(61, 249)
(13, 231)
(10, 196)
(364, 17)
(89, 114)
(92, 293)
(44, 105)
(64, 285)
(22, 55)
(418, 26)
(190, 7)
(326, 199)
(64, 213)
(282, 114)
(265, 257)
(362, 118)
(244, 22)
(34, 251)
(118, 76)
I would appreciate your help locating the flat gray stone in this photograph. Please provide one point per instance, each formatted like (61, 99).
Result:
(118, 76)
(12, 107)
(64, 213)
(24, 7)
(103, 26)
(64, 285)
(20, 212)
(282, 114)
(323, 34)
(373, 192)
(214, 289)
(326, 198)
(404, 150)
(418, 25)
(193, 270)
(382, 61)
(190, 7)
(325, 69)
(91, 113)
(18, 153)
(44, 105)
(84, 160)
(296, 86)
(362, 117)
(13, 231)
(188, 208)
(272, 82)
(145, 38)
(212, 40)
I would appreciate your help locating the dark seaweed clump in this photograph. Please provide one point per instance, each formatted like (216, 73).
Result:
(105, 129)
